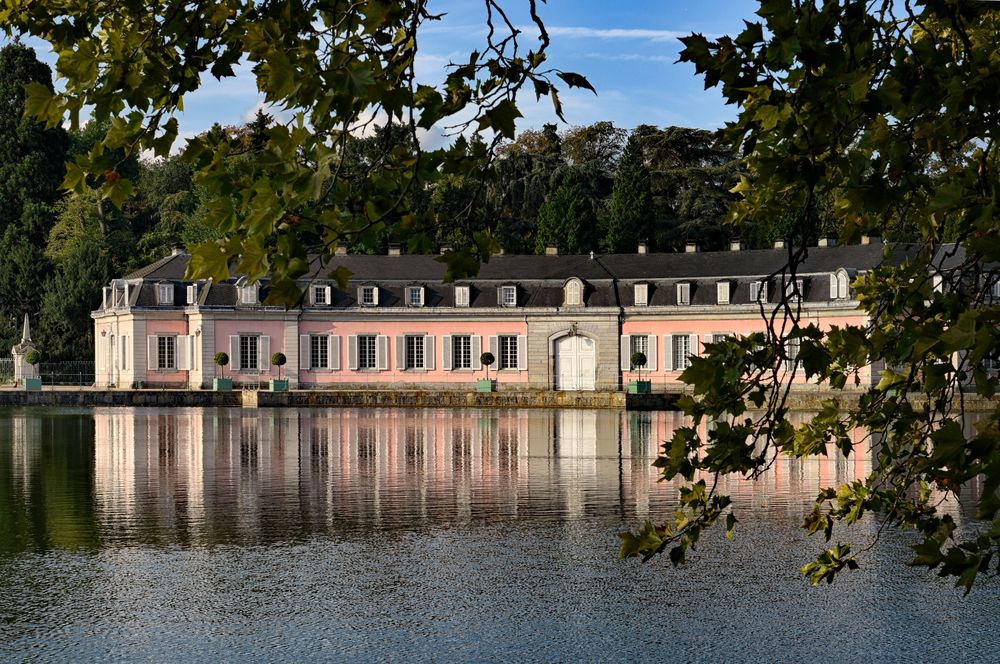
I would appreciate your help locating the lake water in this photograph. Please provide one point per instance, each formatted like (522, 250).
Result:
(186, 535)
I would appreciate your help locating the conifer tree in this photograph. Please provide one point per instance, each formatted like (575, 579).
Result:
(567, 219)
(631, 218)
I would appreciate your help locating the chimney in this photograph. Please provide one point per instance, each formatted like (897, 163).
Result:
(395, 249)
(869, 238)
(445, 248)
(827, 241)
(642, 249)
(736, 244)
(341, 249)
(176, 251)
(551, 250)
(691, 247)
(780, 244)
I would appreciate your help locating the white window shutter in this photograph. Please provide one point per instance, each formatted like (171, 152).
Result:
(651, 343)
(329, 295)
(668, 352)
(446, 352)
(352, 352)
(382, 352)
(625, 344)
(375, 295)
(304, 360)
(694, 346)
(361, 293)
(234, 352)
(477, 350)
(833, 286)
(429, 353)
(495, 347)
(183, 353)
(264, 361)
(151, 355)
(333, 349)
(400, 352)
(522, 352)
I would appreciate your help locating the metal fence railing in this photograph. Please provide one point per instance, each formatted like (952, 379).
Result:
(6, 370)
(67, 373)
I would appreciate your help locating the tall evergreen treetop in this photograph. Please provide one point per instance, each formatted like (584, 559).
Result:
(631, 218)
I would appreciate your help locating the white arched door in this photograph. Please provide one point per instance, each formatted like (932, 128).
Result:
(575, 363)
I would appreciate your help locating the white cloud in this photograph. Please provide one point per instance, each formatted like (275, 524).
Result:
(615, 33)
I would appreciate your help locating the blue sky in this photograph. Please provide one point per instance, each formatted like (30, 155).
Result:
(627, 50)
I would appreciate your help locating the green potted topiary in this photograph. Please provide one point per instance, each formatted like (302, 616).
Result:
(279, 360)
(222, 384)
(33, 357)
(639, 386)
(485, 384)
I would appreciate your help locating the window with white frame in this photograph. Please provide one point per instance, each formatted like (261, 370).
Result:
(248, 294)
(722, 292)
(319, 295)
(794, 290)
(165, 293)
(682, 351)
(758, 291)
(368, 297)
(415, 296)
(414, 351)
(639, 343)
(840, 285)
(319, 351)
(508, 296)
(166, 352)
(461, 351)
(508, 352)
(366, 351)
(641, 294)
(791, 353)
(573, 295)
(995, 290)
(719, 337)
(461, 296)
(683, 293)
(249, 352)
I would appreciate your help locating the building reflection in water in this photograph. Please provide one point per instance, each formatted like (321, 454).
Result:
(206, 476)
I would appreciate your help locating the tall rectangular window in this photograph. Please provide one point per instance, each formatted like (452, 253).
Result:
(791, 353)
(720, 337)
(415, 296)
(758, 291)
(508, 296)
(249, 345)
(366, 352)
(319, 351)
(682, 351)
(641, 295)
(639, 343)
(461, 296)
(319, 295)
(461, 351)
(508, 352)
(165, 294)
(684, 294)
(368, 296)
(722, 292)
(414, 351)
(166, 352)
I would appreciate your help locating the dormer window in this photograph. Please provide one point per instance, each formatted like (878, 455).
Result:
(641, 294)
(758, 291)
(683, 293)
(368, 296)
(192, 294)
(320, 296)
(508, 296)
(722, 292)
(248, 293)
(164, 294)
(573, 293)
(794, 290)
(461, 296)
(840, 285)
(415, 296)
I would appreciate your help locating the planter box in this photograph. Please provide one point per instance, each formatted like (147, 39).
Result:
(640, 387)
(33, 384)
(222, 384)
(486, 385)
(279, 385)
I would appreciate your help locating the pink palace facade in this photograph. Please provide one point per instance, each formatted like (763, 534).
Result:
(553, 322)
